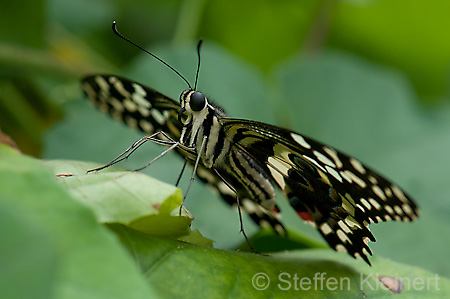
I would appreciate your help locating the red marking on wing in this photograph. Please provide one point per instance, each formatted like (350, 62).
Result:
(305, 216)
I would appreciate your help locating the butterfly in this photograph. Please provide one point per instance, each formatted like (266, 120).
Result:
(246, 160)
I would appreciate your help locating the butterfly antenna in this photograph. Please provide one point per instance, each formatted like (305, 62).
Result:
(114, 28)
(198, 64)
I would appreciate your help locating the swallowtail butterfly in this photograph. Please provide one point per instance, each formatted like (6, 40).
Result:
(246, 160)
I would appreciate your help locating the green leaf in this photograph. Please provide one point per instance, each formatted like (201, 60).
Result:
(130, 198)
(266, 241)
(18, 264)
(178, 269)
(76, 257)
(105, 191)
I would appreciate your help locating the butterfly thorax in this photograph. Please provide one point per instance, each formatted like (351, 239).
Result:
(218, 153)
(203, 119)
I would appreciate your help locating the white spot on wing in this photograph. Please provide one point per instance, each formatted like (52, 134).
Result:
(377, 190)
(389, 209)
(399, 193)
(140, 91)
(354, 178)
(324, 159)
(334, 173)
(345, 176)
(360, 207)
(159, 118)
(344, 227)
(398, 210)
(408, 210)
(145, 112)
(375, 203)
(366, 203)
(141, 101)
(119, 87)
(278, 177)
(130, 105)
(366, 240)
(315, 163)
(333, 154)
(116, 104)
(340, 248)
(344, 238)
(300, 140)
(388, 192)
(146, 126)
(325, 228)
(278, 165)
(373, 180)
(357, 166)
(104, 86)
(364, 251)
(89, 91)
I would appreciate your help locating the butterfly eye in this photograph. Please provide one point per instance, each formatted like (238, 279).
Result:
(197, 101)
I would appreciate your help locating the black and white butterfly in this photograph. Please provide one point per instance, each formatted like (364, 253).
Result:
(245, 160)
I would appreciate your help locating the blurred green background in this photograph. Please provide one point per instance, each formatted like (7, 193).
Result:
(370, 78)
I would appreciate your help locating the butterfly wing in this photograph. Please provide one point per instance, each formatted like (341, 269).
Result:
(336, 193)
(137, 106)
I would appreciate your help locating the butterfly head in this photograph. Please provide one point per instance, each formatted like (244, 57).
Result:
(192, 102)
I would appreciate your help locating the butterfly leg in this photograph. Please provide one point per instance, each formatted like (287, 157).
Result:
(135, 146)
(181, 173)
(159, 156)
(239, 210)
(194, 171)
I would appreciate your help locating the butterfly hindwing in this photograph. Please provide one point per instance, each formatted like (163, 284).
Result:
(260, 215)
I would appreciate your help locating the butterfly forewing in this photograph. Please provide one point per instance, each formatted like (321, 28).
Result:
(136, 105)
